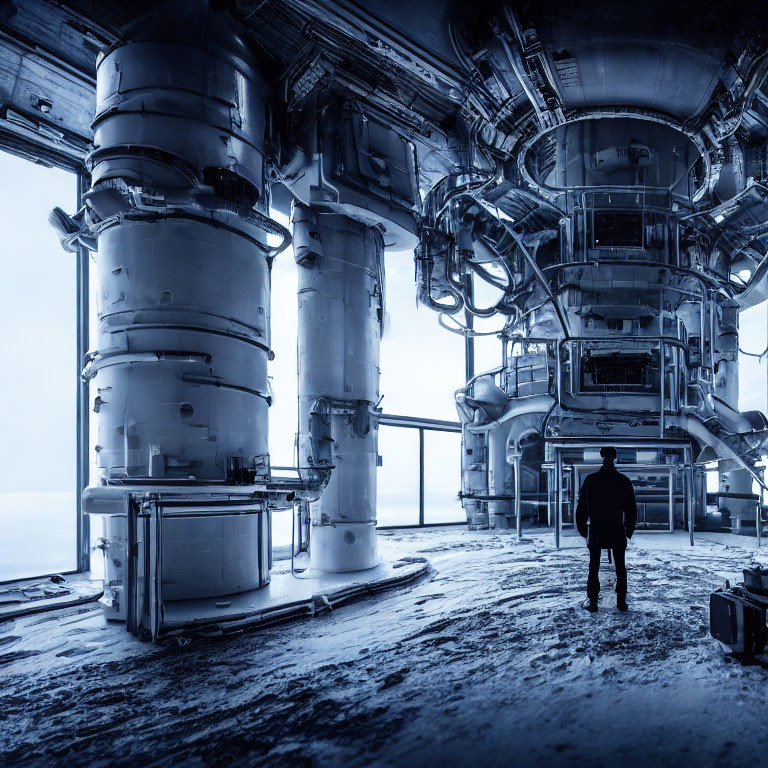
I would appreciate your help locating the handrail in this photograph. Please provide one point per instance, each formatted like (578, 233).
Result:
(395, 420)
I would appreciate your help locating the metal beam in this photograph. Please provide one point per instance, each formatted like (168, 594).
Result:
(82, 301)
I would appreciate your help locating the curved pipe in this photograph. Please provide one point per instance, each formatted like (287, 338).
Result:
(463, 330)
(483, 273)
(540, 277)
(695, 427)
(518, 407)
(531, 263)
(96, 361)
(425, 265)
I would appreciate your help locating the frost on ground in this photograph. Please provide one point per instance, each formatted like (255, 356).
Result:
(490, 661)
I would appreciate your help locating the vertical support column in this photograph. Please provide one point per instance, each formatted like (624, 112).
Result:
(759, 514)
(516, 457)
(83, 446)
(558, 496)
(662, 388)
(671, 489)
(690, 492)
(733, 478)
(178, 205)
(421, 477)
(340, 313)
(498, 510)
(469, 340)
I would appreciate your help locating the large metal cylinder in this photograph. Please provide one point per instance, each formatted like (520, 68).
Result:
(184, 299)
(183, 341)
(340, 312)
(181, 370)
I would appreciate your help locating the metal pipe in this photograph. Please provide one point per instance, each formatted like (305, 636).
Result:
(421, 476)
(712, 312)
(340, 295)
(671, 481)
(558, 496)
(662, 405)
(759, 514)
(83, 412)
(469, 341)
(690, 483)
(518, 507)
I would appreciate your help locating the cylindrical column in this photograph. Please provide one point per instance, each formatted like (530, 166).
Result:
(516, 457)
(498, 510)
(181, 367)
(177, 203)
(340, 313)
(733, 478)
(558, 495)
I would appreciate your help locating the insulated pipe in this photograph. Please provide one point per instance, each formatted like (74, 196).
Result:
(694, 426)
(340, 313)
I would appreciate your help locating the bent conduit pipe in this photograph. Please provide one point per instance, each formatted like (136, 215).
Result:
(425, 267)
(531, 263)
(694, 426)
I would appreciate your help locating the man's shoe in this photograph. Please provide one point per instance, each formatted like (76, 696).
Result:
(590, 605)
(622, 605)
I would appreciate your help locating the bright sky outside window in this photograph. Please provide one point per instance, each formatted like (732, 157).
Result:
(38, 388)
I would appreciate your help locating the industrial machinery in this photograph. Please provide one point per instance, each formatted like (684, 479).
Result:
(599, 170)
(737, 615)
(622, 241)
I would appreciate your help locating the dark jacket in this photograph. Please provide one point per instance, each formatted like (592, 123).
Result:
(607, 501)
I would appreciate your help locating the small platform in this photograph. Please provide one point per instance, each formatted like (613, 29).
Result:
(285, 598)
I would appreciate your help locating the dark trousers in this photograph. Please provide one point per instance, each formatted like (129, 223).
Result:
(593, 582)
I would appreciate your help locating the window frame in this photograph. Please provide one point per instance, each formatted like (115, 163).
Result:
(83, 411)
(422, 425)
(82, 266)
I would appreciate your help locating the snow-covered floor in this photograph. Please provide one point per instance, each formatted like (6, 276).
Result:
(490, 661)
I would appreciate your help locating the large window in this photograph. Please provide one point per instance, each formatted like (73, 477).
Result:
(283, 371)
(753, 339)
(422, 365)
(442, 477)
(420, 474)
(397, 486)
(38, 388)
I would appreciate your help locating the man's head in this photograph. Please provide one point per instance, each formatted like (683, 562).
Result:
(608, 453)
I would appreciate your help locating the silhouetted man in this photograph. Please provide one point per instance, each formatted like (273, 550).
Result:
(607, 503)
